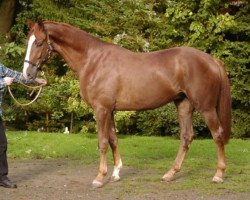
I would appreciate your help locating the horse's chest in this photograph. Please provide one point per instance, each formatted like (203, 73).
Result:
(85, 92)
(91, 91)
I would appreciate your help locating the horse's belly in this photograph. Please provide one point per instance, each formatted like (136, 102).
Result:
(144, 99)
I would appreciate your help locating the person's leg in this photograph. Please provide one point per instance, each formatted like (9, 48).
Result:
(3, 153)
(4, 180)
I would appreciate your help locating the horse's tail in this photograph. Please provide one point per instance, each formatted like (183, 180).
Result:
(224, 103)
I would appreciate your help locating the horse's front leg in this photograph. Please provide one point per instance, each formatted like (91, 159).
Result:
(113, 141)
(103, 120)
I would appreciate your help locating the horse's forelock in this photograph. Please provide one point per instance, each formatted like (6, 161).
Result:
(30, 33)
(38, 31)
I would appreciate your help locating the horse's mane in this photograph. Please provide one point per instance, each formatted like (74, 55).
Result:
(73, 28)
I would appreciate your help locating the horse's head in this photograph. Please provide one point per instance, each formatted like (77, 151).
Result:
(38, 51)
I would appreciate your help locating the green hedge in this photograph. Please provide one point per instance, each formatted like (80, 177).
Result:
(218, 27)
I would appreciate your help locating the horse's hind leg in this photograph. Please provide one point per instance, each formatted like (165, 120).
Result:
(212, 121)
(185, 111)
(113, 141)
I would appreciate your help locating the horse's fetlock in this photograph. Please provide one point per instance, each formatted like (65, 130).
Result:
(222, 166)
(177, 168)
(104, 172)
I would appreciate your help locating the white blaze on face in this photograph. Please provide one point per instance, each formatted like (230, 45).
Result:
(27, 57)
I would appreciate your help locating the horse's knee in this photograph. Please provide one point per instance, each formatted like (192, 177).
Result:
(218, 136)
(187, 139)
(103, 145)
(213, 123)
(113, 142)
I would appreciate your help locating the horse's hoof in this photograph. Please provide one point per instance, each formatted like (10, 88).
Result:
(97, 184)
(114, 179)
(217, 179)
(167, 178)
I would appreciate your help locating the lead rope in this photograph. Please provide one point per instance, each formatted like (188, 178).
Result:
(31, 87)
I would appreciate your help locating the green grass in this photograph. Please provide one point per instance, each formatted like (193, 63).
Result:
(151, 156)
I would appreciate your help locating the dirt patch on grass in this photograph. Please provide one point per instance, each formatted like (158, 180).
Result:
(71, 180)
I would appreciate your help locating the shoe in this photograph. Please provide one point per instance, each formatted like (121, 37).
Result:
(7, 183)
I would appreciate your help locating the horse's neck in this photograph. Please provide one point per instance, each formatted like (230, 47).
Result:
(72, 44)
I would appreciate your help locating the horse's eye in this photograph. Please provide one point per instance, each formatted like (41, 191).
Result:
(39, 43)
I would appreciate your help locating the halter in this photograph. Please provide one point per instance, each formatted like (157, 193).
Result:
(46, 57)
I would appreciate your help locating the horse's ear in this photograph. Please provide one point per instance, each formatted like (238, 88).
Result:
(40, 30)
(40, 24)
(30, 24)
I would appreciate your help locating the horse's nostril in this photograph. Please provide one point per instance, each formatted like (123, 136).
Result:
(28, 75)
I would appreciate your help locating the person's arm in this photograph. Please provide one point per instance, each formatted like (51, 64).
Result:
(2, 83)
(17, 76)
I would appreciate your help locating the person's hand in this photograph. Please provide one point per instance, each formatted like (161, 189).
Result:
(8, 80)
(41, 81)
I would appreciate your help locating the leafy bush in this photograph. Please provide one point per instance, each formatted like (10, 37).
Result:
(220, 28)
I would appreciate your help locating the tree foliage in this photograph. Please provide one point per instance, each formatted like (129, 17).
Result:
(220, 28)
(7, 11)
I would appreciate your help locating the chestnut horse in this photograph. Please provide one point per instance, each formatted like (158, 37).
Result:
(114, 78)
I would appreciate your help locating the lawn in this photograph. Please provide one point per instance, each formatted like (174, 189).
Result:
(154, 155)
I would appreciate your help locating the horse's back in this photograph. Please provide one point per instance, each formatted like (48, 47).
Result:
(137, 81)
